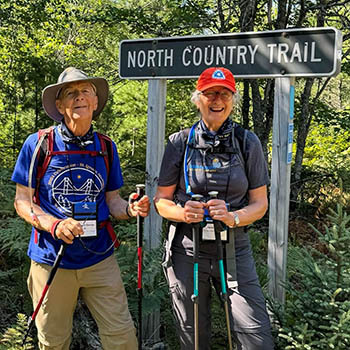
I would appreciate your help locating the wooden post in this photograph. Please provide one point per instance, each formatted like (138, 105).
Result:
(154, 154)
(282, 139)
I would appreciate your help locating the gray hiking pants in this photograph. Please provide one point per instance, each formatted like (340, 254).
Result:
(249, 320)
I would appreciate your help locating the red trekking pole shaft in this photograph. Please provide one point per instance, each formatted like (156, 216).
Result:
(48, 283)
(140, 191)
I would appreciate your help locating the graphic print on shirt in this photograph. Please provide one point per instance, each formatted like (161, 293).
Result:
(75, 183)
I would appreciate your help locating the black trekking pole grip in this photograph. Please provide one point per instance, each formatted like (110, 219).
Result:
(48, 283)
(140, 189)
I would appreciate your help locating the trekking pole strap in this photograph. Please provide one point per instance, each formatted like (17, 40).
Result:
(231, 261)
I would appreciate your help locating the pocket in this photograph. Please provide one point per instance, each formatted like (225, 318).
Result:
(176, 292)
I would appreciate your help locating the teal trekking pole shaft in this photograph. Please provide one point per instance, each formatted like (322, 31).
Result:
(218, 229)
(195, 296)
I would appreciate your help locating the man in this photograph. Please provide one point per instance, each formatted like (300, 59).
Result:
(73, 198)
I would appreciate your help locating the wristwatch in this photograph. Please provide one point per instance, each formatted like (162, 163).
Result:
(235, 220)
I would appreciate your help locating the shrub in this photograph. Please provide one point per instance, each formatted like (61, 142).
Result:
(317, 310)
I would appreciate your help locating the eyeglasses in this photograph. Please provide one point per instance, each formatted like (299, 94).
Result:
(211, 95)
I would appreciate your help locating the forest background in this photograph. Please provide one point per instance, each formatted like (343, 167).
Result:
(39, 38)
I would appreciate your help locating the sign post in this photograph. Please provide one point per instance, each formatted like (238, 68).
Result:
(282, 140)
(154, 154)
(281, 54)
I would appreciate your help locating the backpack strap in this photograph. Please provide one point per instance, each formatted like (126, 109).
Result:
(106, 151)
(46, 152)
(239, 141)
(44, 155)
(230, 260)
(39, 156)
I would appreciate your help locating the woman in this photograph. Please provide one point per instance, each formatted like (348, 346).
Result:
(215, 155)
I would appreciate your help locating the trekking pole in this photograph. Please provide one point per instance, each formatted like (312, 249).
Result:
(140, 189)
(195, 296)
(48, 283)
(217, 229)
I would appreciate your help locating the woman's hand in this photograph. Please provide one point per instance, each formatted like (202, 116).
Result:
(218, 210)
(193, 212)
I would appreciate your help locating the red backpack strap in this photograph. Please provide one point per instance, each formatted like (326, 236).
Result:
(111, 232)
(106, 150)
(45, 136)
(44, 157)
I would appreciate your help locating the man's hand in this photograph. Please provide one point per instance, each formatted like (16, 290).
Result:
(139, 206)
(68, 229)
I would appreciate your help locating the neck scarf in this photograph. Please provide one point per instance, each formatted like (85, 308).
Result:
(69, 137)
(208, 139)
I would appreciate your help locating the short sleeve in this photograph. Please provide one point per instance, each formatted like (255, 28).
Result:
(20, 173)
(115, 177)
(172, 160)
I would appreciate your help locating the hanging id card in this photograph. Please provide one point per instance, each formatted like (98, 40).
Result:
(86, 214)
(208, 233)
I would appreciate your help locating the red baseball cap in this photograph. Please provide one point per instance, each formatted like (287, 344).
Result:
(216, 76)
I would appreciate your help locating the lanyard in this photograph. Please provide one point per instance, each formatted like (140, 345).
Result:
(189, 140)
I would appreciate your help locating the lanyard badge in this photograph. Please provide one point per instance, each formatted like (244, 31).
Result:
(208, 231)
(86, 214)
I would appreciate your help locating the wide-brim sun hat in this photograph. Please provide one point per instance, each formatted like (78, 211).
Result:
(70, 75)
(216, 76)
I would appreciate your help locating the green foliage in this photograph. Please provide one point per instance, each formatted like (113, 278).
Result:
(328, 148)
(337, 241)
(14, 238)
(317, 310)
(326, 161)
(259, 242)
(14, 231)
(13, 261)
(13, 337)
(153, 282)
(40, 38)
(7, 193)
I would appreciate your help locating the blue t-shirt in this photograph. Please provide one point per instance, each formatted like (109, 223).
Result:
(69, 179)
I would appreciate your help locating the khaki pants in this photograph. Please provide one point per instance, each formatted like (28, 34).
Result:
(102, 290)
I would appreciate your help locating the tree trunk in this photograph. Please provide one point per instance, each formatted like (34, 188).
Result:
(262, 112)
(245, 104)
(282, 18)
(303, 122)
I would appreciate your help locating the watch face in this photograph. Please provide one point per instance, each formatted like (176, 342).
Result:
(237, 219)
